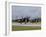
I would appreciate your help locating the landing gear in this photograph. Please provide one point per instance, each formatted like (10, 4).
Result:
(25, 21)
(20, 23)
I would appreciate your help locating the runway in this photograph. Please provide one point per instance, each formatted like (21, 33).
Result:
(27, 24)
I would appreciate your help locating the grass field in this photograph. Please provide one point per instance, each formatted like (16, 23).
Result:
(27, 26)
(18, 28)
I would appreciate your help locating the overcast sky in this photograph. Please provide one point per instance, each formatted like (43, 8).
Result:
(18, 11)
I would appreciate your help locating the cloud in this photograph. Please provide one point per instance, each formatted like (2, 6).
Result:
(25, 11)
